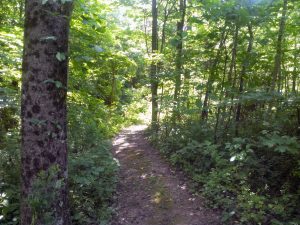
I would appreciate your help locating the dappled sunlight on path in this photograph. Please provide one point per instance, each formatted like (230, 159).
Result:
(149, 192)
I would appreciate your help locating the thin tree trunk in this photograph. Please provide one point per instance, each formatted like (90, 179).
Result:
(186, 88)
(233, 56)
(295, 72)
(145, 34)
(179, 55)
(113, 87)
(153, 76)
(231, 81)
(163, 32)
(213, 71)
(43, 113)
(242, 76)
(220, 99)
(276, 74)
(21, 11)
(162, 49)
(284, 78)
(161, 101)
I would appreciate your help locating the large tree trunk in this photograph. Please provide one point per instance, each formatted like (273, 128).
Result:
(153, 72)
(43, 113)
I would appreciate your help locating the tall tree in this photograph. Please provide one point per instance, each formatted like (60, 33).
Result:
(179, 49)
(43, 113)
(167, 10)
(276, 74)
(153, 72)
(295, 62)
(243, 74)
(213, 72)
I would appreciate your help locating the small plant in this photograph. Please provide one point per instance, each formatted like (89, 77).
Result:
(45, 189)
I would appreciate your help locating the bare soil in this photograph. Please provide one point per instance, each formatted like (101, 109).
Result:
(150, 192)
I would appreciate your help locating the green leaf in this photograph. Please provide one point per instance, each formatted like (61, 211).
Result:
(58, 184)
(64, 1)
(174, 42)
(97, 48)
(282, 148)
(60, 56)
(49, 38)
(37, 122)
(57, 83)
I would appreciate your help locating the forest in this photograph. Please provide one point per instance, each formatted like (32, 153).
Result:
(150, 112)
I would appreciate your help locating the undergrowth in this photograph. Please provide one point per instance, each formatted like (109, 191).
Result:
(92, 168)
(253, 178)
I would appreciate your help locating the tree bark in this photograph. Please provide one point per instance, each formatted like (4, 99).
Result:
(43, 113)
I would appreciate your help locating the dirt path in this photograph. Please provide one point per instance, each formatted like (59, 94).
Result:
(150, 193)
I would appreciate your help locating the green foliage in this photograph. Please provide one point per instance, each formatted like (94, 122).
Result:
(9, 178)
(91, 166)
(230, 130)
(254, 180)
(60, 56)
(10, 63)
(92, 184)
(102, 99)
(243, 156)
(45, 189)
(281, 144)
